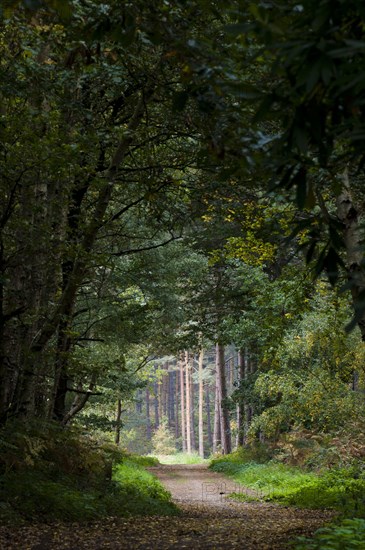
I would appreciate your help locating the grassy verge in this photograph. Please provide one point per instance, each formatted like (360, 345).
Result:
(49, 475)
(182, 458)
(142, 493)
(342, 490)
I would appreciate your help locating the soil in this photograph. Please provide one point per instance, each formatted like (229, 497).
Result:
(209, 519)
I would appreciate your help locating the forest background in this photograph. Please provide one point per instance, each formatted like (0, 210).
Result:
(181, 247)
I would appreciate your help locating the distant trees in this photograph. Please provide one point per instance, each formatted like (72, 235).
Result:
(168, 186)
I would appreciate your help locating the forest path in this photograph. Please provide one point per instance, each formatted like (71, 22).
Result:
(208, 520)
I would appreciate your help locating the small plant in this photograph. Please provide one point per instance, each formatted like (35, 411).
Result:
(349, 534)
(243, 497)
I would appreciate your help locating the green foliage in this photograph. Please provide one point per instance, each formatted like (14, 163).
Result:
(144, 461)
(257, 452)
(55, 474)
(349, 534)
(32, 495)
(181, 458)
(342, 490)
(273, 479)
(163, 440)
(337, 489)
(307, 362)
(141, 492)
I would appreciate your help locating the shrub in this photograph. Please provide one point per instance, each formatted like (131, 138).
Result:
(163, 441)
(54, 474)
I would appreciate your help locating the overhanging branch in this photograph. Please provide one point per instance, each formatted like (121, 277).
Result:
(146, 248)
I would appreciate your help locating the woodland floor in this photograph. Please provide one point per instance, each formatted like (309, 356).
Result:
(209, 519)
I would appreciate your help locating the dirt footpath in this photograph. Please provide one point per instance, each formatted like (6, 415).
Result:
(208, 520)
(211, 519)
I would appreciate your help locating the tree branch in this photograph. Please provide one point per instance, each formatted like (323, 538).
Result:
(145, 248)
(85, 392)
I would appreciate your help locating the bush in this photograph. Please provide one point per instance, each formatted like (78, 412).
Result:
(163, 441)
(54, 474)
(145, 461)
(337, 489)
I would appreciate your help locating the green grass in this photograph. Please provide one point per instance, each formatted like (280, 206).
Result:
(182, 458)
(143, 493)
(32, 495)
(145, 461)
(49, 474)
(342, 490)
(273, 479)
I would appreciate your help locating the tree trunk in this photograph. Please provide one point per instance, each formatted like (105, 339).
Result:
(80, 401)
(156, 404)
(217, 418)
(118, 422)
(177, 424)
(248, 408)
(25, 395)
(182, 404)
(192, 409)
(148, 415)
(139, 401)
(188, 403)
(171, 398)
(231, 374)
(160, 398)
(241, 403)
(352, 217)
(225, 423)
(201, 404)
(209, 421)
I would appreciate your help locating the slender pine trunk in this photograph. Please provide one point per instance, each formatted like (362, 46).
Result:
(118, 422)
(148, 415)
(182, 405)
(188, 403)
(241, 403)
(208, 413)
(225, 423)
(217, 418)
(201, 404)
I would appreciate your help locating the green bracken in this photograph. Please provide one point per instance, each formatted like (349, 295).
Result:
(52, 474)
(342, 490)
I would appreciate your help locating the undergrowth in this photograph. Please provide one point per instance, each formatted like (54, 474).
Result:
(49, 473)
(342, 490)
(349, 534)
(143, 493)
(181, 458)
